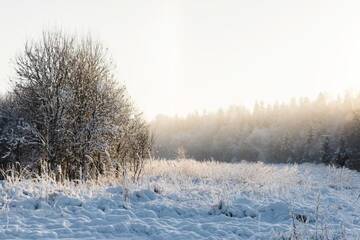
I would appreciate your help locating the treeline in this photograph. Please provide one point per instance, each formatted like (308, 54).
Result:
(67, 114)
(321, 130)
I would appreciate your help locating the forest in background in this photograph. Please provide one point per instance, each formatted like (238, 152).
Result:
(321, 130)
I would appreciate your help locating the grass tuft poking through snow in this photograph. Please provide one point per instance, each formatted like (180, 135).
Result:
(187, 199)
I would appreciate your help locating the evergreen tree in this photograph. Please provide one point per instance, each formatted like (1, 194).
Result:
(307, 152)
(342, 154)
(286, 150)
(353, 134)
(326, 152)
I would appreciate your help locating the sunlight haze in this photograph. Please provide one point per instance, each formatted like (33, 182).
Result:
(176, 57)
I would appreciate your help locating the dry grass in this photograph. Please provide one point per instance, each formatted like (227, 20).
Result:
(227, 179)
(259, 173)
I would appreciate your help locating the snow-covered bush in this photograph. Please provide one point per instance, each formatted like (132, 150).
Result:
(66, 98)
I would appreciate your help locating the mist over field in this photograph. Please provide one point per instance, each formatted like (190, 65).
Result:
(180, 120)
(324, 130)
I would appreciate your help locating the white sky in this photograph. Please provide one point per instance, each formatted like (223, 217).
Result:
(179, 56)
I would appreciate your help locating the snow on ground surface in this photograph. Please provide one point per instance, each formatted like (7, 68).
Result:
(190, 200)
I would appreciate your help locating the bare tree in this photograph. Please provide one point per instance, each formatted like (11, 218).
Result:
(66, 93)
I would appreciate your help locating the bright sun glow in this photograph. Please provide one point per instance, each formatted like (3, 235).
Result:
(180, 56)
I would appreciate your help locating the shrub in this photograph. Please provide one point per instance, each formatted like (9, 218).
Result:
(67, 105)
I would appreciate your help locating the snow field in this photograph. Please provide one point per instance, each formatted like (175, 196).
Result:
(186, 199)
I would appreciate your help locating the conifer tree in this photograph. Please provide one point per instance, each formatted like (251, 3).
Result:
(326, 152)
(342, 154)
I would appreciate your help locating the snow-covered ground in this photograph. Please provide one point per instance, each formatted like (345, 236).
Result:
(189, 200)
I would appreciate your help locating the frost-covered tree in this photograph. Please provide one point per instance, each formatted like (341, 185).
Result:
(19, 141)
(65, 90)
